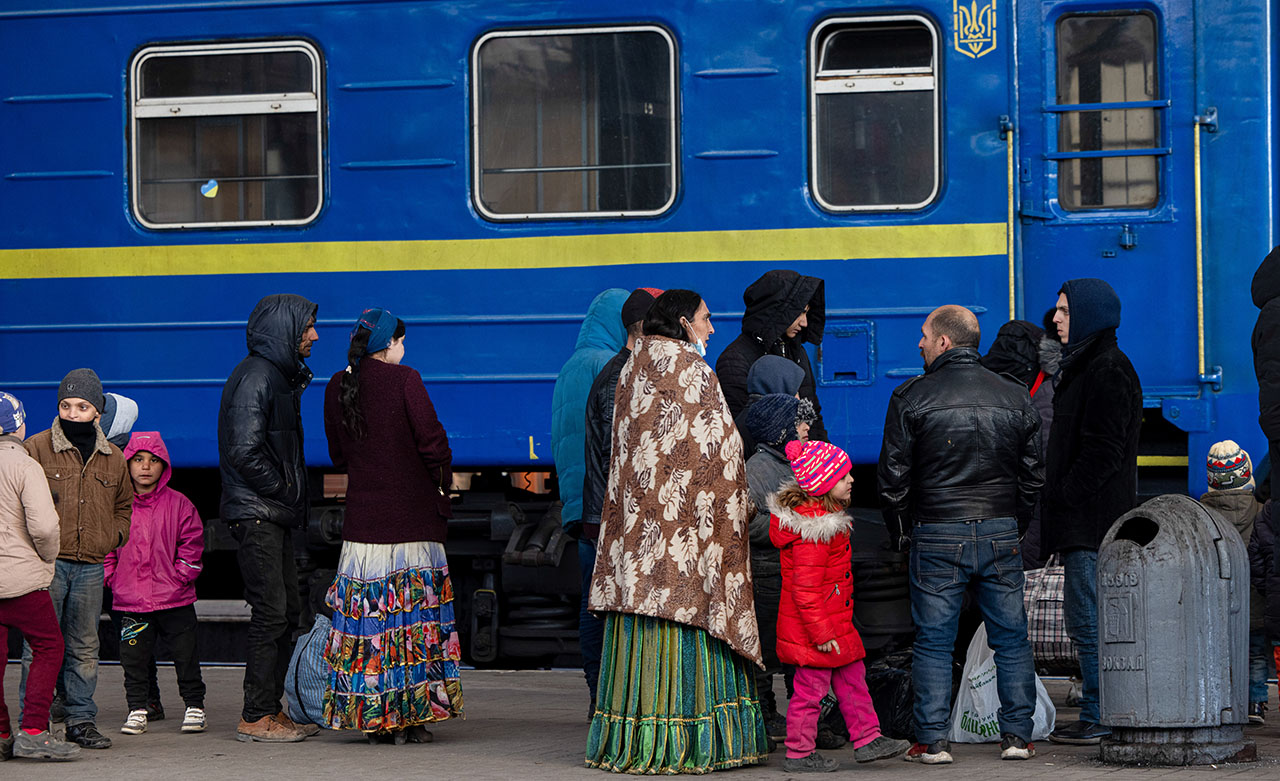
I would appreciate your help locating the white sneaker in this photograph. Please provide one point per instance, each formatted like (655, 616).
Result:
(193, 720)
(136, 723)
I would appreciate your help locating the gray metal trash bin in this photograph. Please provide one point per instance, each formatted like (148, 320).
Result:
(1173, 636)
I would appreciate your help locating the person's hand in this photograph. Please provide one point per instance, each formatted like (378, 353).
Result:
(829, 646)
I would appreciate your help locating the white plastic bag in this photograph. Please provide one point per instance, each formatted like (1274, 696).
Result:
(973, 717)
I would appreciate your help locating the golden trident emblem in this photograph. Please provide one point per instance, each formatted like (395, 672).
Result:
(975, 28)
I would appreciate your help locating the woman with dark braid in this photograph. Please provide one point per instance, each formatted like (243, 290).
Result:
(393, 651)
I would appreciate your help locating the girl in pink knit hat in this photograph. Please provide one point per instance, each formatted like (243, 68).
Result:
(810, 528)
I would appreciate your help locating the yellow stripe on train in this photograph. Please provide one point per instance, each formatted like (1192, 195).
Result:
(524, 252)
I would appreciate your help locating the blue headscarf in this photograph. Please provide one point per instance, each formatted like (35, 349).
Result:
(381, 325)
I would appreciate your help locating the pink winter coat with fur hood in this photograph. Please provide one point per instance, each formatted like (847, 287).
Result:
(158, 567)
(817, 581)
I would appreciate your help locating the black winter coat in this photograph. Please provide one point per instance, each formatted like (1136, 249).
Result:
(1263, 576)
(264, 475)
(1266, 347)
(1091, 462)
(773, 302)
(961, 443)
(599, 441)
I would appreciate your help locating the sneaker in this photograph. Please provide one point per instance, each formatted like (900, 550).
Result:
(936, 753)
(44, 746)
(828, 739)
(155, 711)
(775, 725)
(814, 763)
(1014, 747)
(267, 730)
(881, 748)
(307, 730)
(86, 735)
(1080, 733)
(135, 723)
(1257, 713)
(193, 720)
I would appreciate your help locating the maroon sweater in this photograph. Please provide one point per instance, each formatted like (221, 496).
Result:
(397, 472)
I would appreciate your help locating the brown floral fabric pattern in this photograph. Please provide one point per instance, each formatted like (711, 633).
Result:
(673, 532)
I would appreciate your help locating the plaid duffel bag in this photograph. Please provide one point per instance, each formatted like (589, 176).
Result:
(1046, 619)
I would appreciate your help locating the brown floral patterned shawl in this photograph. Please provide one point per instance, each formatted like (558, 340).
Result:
(673, 530)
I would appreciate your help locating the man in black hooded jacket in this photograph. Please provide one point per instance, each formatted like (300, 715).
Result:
(1266, 351)
(264, 497)
(1091, 469)
(783, 311)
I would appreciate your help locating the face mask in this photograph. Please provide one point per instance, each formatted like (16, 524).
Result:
(697, 341)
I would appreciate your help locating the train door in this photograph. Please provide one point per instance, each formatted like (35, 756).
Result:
(1106, 117)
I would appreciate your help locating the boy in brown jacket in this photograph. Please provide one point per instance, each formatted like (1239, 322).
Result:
(28, 546)
(91, 489)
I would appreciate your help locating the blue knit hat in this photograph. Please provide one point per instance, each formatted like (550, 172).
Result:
(12, 416)
(774, 374)
(771, 420)
(381, 325)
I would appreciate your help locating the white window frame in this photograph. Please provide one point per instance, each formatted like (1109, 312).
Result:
(873, 80)
(228, 105)
(674, 105)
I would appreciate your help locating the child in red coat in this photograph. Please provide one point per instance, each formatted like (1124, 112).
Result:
(810, 527)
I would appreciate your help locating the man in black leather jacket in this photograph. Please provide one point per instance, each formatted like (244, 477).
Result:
(959, 472)
(264, 497)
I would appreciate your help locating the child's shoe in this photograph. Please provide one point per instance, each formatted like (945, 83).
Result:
(814, 763)
(883, 747)
(136, 723)
(193, 720)
(936, 753)
(44, 746)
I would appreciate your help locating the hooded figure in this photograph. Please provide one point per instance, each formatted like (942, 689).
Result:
(599, 339)
(119, 413)
(770, 374)
(158, 567)
(1266, 351)
(1091, 459)
(775, 302)
(264, 475)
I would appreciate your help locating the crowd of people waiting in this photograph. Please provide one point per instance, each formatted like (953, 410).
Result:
(711, 512)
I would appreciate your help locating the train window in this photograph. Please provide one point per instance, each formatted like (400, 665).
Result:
(574, 123)
(874, 127)
(226, 135)
(1107, 62)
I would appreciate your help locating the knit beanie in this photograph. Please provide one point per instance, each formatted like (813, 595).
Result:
(771, 420)
(1229, 467)
(118, 417)
(12, 415)
(82, 384)
(637, 304)
(818, 466)
(774, 374)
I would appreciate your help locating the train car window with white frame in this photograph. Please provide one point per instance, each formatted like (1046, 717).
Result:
(574, 123)
(874, 122)
(226, 135)
(1108, 62)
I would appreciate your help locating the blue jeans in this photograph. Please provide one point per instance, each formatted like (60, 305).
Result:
(590, 628)
(1080, 614)
(945, 558)
(77, 600)
(1261, 665)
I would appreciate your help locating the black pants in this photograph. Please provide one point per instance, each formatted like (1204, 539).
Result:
(768, 593)
(271, 589)
(138, 634)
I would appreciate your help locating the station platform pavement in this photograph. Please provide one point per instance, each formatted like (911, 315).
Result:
(519, 725)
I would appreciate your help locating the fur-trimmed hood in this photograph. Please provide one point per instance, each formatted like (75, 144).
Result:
(802, 517)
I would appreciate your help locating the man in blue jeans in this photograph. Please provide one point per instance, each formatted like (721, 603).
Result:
(959, 474)
(1091, 472)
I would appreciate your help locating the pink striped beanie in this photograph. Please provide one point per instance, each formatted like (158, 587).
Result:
(818, 466)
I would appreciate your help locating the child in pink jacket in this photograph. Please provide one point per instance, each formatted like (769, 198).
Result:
(152, 581)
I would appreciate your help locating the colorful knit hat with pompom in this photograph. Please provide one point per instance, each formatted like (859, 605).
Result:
(1229, 466)
(818, 466)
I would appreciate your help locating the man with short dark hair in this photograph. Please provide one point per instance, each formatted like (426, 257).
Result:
(1091, 471)
(264, 498)
(959, 474)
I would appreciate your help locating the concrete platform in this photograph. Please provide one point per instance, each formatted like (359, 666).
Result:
(526, 725)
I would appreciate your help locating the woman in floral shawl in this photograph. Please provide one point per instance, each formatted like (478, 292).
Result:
(672, 576)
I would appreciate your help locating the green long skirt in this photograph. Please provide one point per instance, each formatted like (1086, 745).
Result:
(672, 699)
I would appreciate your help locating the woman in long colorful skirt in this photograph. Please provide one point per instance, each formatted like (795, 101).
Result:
(676, 692)
(393, 651)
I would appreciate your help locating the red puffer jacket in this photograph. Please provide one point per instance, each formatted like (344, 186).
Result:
(817, 582)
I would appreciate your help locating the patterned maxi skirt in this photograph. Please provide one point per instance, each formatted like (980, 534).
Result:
(393, 652)
(672, 699)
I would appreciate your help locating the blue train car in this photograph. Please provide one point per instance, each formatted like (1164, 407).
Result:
(484, 169)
